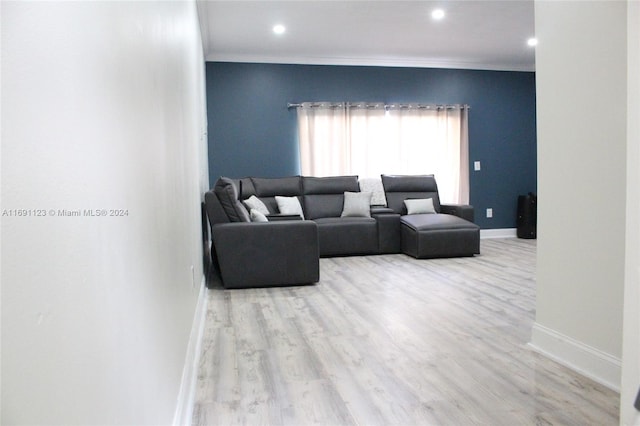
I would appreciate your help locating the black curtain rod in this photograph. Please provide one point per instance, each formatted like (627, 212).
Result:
(377, 105)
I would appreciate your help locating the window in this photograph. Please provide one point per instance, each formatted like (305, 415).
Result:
(370, 139)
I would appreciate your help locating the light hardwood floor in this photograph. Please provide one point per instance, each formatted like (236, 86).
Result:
(392, 340)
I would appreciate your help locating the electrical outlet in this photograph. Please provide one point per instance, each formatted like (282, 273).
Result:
(489, 213)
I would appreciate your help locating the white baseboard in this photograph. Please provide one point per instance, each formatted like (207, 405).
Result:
(584, 359)
(498, 233)
(184, 408)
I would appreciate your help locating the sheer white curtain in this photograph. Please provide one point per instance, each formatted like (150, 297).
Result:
(369, 140)
(324, 141)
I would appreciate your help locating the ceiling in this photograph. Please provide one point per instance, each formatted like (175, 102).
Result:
(474, 34)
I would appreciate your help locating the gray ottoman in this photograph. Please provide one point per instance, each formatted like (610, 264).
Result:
(439, 235)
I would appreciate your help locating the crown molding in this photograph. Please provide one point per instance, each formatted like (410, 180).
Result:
(362, 61)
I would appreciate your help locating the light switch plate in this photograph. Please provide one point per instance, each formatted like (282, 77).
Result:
(476, 166)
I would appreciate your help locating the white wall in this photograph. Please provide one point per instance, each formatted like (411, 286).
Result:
(102, 108)
(631, 335)
(581, 82)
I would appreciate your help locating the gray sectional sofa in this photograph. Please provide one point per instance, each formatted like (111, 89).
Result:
(298, 219)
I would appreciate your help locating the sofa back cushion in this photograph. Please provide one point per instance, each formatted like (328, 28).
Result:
(398, 188)
(227, 194)
(245, 188)
(266, 190)
(324, 196)
(215, 212)
(270, 187)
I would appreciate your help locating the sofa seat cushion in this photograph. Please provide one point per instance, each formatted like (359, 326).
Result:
(420, 222)
(344, 221)
(338, 236)
(438, 235)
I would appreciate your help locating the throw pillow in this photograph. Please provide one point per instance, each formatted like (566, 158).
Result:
(289, 205)
(257, 216)
(227, 193)
(419, 206)
(254, 203)
(374, 185)
(356, 204)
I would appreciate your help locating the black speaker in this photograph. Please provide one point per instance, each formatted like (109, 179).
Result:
(527, 216)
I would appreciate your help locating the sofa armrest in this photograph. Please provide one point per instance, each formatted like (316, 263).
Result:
(388, 232)
(464, 211)
(280, 217)
(267, 254)
(378, 210)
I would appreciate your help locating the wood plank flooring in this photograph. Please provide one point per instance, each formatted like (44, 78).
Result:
(391, 340)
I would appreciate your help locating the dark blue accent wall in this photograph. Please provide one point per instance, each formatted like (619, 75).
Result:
(252, 133)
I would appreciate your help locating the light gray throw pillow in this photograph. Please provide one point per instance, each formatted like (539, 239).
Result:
(289, 205)
(258, 216)
(356, 204)
(254, 203)
(420, 206)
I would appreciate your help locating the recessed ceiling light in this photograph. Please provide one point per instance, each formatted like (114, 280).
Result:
(437, 14)
(279, 29)
(532, 41)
